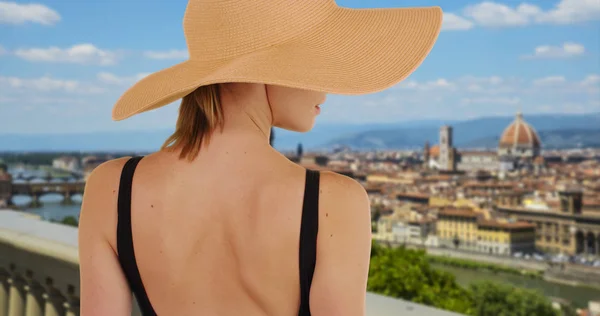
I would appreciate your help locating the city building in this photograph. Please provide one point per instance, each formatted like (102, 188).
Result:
(5, 185)
(519, 140)
(457, 228)
(89, 163)
(568, 228)
(66, 163)
(519, 146)
(445, 157)
(447, 152)
(474, 160)
(504, 237)
(465, 229)
(388, 228)
(415, 232)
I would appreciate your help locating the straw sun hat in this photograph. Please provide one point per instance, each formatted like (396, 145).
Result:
(308, 44)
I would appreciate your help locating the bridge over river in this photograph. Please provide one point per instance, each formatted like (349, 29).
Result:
(37, 189)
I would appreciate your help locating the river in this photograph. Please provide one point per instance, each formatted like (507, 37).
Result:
(52, 209)
(578, 296)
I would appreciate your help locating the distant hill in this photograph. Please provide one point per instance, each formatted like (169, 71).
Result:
(556, 131)
(152, 139)
(96, 141)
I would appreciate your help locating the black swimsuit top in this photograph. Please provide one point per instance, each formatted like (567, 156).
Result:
(308, 238)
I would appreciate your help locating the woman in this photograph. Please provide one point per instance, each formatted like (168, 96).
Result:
(217, 222)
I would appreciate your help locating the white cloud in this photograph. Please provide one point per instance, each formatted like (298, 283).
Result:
(77, 54)
(47, 84)
(549, 81)
(493, 14)
(492, 100)
(492, 85)
(469, 96)
(429, 85)
(567, 50)
(591, 80)
(4, 99)
(492, 80)
(453, 22)
(170, 54)
(35, 100)
(15, 13)
(572, 11)
(559, 85)
(590, 85)
(110, 78)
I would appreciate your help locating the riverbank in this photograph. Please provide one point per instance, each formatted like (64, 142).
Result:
(557, 275)
(577, 296)
(480, 266)
(567, 274)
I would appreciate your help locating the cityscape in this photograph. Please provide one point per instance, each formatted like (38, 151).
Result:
(532, 214)
(482, 167)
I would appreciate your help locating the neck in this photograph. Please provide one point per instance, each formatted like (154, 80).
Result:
(247, 115)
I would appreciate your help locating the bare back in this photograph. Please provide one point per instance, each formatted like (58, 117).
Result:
(221, 237)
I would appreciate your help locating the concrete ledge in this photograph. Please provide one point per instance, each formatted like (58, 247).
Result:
(379, 305)
(27, 233)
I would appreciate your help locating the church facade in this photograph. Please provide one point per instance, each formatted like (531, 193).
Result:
(518, 147)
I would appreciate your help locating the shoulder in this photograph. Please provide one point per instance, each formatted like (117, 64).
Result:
(344, 209)
(343, 247)
(341, 183)
(105, 173)
(99, 205)
(343, 194)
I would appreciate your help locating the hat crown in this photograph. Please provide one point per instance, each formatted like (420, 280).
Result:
(222, 29)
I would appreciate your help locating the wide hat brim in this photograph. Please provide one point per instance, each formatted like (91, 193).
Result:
(354, 51)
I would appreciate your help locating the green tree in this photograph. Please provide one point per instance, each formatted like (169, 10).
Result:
(406, 274)
(70, 220)
(491, 299)
(568, 310)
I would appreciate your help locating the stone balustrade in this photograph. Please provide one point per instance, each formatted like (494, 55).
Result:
(39, 272)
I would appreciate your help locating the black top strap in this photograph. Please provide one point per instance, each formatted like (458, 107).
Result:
(125, 238)
(308, 238)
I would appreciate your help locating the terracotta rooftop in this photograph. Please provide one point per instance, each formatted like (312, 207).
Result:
(591, 202)
(412, 194)
(504, 185)
(519, 133)
(434, 151)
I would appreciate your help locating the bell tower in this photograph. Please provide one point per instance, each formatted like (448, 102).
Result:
(426, 155)
(446, 160)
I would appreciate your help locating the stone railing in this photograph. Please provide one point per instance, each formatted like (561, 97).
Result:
(38, 276)
(39, 272)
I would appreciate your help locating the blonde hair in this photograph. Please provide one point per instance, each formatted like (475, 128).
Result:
(200, 113)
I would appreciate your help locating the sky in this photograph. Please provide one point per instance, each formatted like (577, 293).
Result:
(64, 63)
